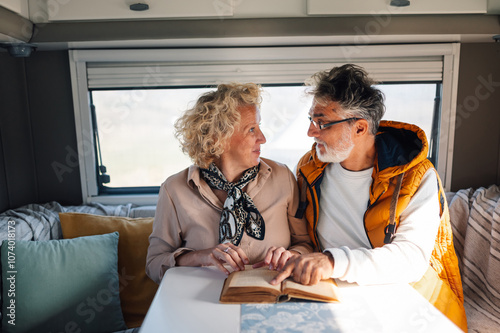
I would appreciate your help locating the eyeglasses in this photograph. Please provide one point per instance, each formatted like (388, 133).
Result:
(323, 126)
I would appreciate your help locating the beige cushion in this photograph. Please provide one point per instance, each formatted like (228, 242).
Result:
(136, 288)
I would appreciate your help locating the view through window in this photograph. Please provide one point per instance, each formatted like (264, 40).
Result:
(139, 148)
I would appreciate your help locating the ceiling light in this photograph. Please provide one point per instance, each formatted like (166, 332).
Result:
(400, 3)
(139, 7)
(19, 50)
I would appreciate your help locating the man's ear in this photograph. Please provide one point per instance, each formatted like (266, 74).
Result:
(361, 127)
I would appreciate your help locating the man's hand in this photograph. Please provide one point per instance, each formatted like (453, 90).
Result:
(276, 258)
(307, 269)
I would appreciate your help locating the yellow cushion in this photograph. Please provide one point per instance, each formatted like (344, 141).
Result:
(136, 288)
(439, 294)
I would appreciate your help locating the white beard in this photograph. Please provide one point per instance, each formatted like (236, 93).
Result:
(339, 153)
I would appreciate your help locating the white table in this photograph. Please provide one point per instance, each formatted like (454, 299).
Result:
(188, 301)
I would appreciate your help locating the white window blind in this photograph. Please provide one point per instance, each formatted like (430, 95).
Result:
(276, 65)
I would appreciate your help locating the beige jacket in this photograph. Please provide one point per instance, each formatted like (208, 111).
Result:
(188, 213)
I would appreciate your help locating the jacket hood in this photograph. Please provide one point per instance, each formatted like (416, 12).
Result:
(400, 146)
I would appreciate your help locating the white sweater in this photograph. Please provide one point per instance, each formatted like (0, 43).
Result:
(344, 200)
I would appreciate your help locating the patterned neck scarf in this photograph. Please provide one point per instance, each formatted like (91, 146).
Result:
(239, 213)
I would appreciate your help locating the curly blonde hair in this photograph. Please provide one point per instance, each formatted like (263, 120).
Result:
(204, 129)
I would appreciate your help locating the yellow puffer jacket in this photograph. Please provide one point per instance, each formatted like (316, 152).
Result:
(401, 154)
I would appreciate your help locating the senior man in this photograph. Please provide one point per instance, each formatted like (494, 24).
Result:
(374, 203)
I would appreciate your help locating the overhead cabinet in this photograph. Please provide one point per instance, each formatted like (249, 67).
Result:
(120, 9)
(384, 7)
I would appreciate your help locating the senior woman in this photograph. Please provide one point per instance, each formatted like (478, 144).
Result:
(231, 207)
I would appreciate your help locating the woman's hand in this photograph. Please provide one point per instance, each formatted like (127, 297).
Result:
(276, 258)
(217, 256)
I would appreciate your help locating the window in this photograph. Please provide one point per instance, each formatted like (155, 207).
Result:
(136, 134)
(131, 100)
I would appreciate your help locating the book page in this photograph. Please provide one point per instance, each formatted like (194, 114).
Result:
(324, 290)
(260, 277)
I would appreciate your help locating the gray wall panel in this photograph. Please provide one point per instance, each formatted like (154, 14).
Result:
(37, 128)
(4, 195)
(53, 127)
(17, 142)
(476, 155)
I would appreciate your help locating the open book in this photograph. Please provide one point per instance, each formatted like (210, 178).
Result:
(253, 286)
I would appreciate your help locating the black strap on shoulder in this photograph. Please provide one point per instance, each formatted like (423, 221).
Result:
(390, 230)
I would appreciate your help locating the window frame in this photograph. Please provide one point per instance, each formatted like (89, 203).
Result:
(309, 57)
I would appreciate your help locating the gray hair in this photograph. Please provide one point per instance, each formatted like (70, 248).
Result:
(350, 86)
